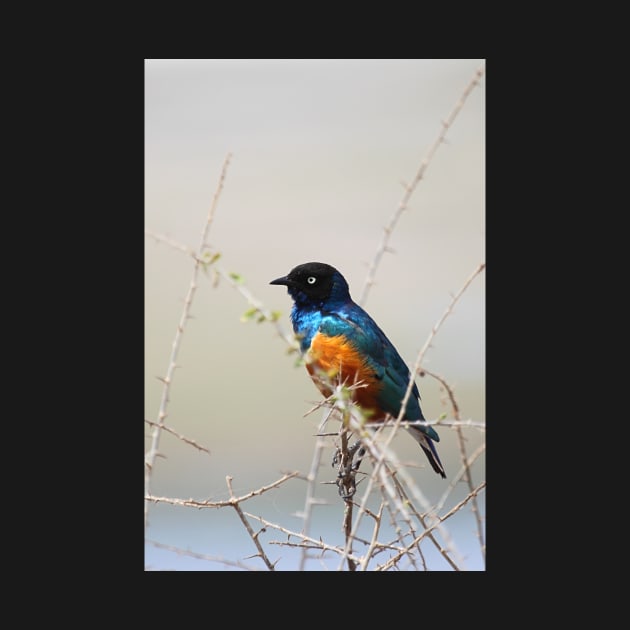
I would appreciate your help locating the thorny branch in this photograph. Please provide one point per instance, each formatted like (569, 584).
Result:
(462, 451)
(172, 364)
(178, 435)
(201, 556)
(218, 504)
(409, 190)
(254, 535)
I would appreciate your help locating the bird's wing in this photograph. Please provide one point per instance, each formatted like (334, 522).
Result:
(363, 332)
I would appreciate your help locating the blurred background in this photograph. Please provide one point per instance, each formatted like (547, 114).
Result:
(320, 150)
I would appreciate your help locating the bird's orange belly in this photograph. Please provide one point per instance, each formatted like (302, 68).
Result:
(334, 360)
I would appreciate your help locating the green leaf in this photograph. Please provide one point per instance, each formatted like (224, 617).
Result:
(248, 314)
(236, 277)
(207, 258)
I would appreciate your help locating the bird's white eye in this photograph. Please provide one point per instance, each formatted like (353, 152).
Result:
(311, 279)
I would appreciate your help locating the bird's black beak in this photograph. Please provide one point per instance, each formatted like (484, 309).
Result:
(284, 280)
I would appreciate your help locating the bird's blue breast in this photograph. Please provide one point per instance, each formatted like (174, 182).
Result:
(345, 319)
(306, 323)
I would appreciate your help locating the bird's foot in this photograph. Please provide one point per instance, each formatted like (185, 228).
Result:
(346, 486)
(347, 469)
(351, 452)
(360, 451)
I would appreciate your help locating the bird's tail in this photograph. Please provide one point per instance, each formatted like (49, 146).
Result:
(426, 443)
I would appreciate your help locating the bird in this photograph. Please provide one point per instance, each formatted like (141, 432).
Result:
(339, 338)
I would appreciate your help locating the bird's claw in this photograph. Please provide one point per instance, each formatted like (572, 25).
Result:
(346, 487)
(347, 469)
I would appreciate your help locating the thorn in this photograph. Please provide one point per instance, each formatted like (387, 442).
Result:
(255, 555)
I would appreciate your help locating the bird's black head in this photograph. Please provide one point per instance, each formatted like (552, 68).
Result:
(314, 282)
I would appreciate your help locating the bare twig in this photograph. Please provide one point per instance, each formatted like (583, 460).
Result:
(463, 455)
(347, 486)
(374, 544)
(444, 552)
(201, 556)
(162, 238)
(466, 465)
(381, 474)
(380, 477)
(234, 502)
(218, 504)
(162, 413)
(257, 306)
(434, 330)
(314, 543)
(442, 422)
(178, 435)
(409, 190)
(392, 561)
(310, 500)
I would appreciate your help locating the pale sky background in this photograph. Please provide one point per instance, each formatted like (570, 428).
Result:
(319, 151)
